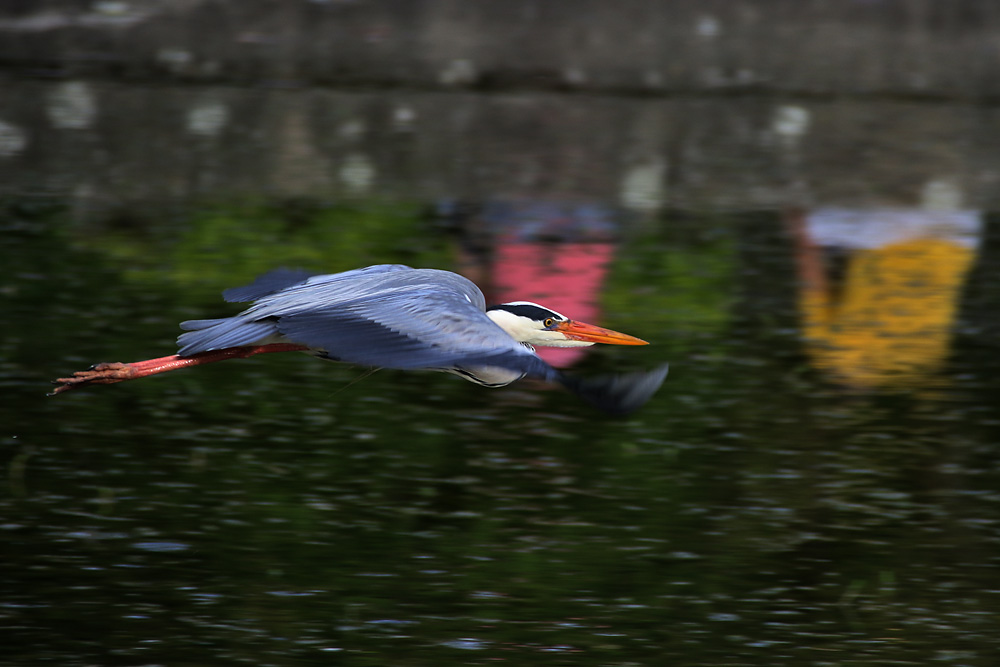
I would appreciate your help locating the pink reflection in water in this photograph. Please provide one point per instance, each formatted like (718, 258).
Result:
(565, 277)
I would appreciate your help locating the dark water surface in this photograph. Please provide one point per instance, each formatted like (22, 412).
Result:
(772, 505)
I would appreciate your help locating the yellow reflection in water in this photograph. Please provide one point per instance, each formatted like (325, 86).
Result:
(889, 320)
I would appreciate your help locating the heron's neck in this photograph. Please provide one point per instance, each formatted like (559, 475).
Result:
(516, 327)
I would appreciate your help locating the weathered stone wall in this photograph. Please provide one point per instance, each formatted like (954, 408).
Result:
(691, 103)
(887, 47)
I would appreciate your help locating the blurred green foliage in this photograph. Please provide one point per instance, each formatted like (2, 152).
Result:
(673, 271)
(215, 246)
(678, 272)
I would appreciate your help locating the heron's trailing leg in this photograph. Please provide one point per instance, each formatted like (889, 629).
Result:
(109, 373)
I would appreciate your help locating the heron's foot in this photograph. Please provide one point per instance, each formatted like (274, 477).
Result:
(105, 373)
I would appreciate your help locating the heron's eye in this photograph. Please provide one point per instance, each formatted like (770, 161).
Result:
(548, 322)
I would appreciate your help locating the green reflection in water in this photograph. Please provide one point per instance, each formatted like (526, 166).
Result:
(221, 246)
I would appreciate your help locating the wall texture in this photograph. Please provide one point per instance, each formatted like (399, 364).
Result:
(688, 103)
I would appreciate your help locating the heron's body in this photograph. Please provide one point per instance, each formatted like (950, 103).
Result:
(388, 316)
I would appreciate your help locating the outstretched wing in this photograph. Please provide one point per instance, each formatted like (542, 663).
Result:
(418, 328)
(390, 316)
(281, 279)
(617, 395)
(421, 319)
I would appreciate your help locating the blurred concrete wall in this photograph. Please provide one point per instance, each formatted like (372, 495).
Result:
(688, 103)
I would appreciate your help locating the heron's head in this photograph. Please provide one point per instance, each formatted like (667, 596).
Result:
(530, 323)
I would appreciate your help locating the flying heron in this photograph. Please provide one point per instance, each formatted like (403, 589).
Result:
(393, 316)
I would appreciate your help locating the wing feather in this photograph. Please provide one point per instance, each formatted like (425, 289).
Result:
(226, 332)
(414, 326)
(388, 315)
(282, 279)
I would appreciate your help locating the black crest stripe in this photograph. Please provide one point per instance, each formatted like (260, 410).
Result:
(536, 313)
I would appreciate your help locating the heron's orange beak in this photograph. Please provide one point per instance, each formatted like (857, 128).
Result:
(593, 334)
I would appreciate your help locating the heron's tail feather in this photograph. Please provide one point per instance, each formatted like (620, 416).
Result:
(618, 395)
(204, 335)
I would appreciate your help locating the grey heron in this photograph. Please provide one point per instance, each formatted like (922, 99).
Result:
(393, 316)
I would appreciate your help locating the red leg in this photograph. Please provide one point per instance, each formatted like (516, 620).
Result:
(109, 373)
